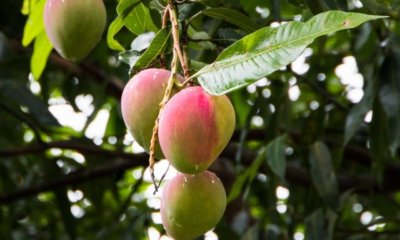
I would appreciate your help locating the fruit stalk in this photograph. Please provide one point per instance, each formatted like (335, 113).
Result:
(154, 136)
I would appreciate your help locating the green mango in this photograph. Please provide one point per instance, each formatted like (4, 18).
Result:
(191, 205)
(140, 104)
(74, 26)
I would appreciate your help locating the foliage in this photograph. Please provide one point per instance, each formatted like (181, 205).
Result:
(315, 152)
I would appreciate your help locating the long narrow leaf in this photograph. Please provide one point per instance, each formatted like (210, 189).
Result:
(123, 9)
(34, 25)
(276, 156)
(269, 49)
(156, 47)
(246, 176)
(41, 51)
(232, 16)
(323, 173)
(113, 29)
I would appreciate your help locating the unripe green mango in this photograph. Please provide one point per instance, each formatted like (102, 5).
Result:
(191, 205)
(194, 129)
(74, 26)
(140, 104)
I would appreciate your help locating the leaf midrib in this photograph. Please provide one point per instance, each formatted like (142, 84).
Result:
(263, 51)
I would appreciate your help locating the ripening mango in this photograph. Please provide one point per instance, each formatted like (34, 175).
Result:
(191, 205)
(194, 129)
(140, 104)
(74, 26)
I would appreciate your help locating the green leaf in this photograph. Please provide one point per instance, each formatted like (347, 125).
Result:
(389, 95)
(34, 24)
(269, 49)
(138, 45)
(26, 7)
(197, 65)
(123, 9)
(315, 227)
(246, 176)
(139, 20)
(202, 43)
(356, 116)
(134, 15)
(252, 233)
(113, 29)
(393, 119)
(210, 3)
(126, 5)
(157, 46)
(142, 42)
(276, 156)
(317, 6)
(24, 98)
(129, 57)
(323, 173)
(379, 140)
(154, 45)
(233, 16)
(41, 51)
(332, 4)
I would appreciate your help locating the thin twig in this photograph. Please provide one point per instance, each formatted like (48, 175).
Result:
(27, 121)
(83, 147)
(177, 55)
(128, 199)
(165, 18)
(161, 179)
(165, 99)
(324, 93)
(175, 35)
(164, 25)
(75, 177)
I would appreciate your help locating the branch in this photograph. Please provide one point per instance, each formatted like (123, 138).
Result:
(114, 85)
(355, 154)
(298, 175)
(123, 161)
(79, 146)
(77, 177)
(345, 232)
(23, 119)
(324, 93)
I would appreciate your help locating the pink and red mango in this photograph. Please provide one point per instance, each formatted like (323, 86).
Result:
(74, 26)
(194, 129)
(140, 104)
(191, 205)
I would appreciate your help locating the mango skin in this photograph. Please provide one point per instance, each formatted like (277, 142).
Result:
(140, 104)
(194, 129)
(74, 26)
(191, 205)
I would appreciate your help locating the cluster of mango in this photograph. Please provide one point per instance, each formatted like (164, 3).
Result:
(194, 128)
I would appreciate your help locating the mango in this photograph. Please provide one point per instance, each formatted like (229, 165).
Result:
(191, 205)
(194, 129)
(140, 104)
(74, 26)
